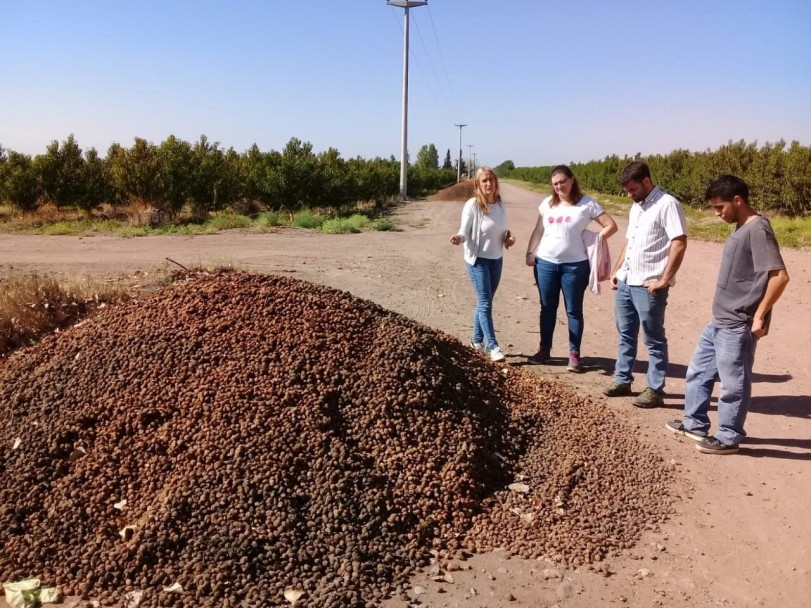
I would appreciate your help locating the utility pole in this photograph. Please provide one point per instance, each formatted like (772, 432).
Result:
(405, 4)
(475, 164)
(459, 166)
(469, 159)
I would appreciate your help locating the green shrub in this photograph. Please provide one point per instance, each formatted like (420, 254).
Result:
(385, 225)
(354, 223)
(273, 218)
(307, 219)
(227, 221)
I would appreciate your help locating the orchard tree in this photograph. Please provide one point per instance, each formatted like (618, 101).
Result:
(374, 180)
(796, 191)
(504, 168)
(95, 182)
(252, 165)
(175, 173)
(61, 171)
(3, 161)
(134, 172)
(334, 186)
(20, 186)
(428, 157)
(233, 178)
(206, 162)
(215, 184)
(297, 170)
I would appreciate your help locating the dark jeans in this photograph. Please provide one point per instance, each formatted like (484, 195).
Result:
(485, 275)
(572, 279)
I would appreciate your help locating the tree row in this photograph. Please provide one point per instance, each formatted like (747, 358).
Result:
(205, 176)
(779, 175)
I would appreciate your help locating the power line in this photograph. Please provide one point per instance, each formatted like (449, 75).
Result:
(442, 58)
(440, 88)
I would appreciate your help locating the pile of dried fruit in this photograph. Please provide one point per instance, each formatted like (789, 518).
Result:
(235, 436)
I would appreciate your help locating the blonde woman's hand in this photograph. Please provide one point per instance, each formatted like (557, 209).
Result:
(457, 239)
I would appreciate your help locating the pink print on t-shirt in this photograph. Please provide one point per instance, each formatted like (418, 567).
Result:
(551, 220)
(568, 218)
(560, 219)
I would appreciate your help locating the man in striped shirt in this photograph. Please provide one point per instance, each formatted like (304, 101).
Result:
(642, 276)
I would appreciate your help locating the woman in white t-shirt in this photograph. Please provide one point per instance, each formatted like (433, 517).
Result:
(484, 232)
(558, 254)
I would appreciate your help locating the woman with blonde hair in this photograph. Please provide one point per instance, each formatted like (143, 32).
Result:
(484, 232)
(557, 253)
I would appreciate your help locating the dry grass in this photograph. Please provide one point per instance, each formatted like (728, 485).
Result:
(45, 215)
(11, 220)
(458, 192)
(33, 306)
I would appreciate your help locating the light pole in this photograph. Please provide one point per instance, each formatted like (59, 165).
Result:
(475, 164)
(459, 166)
(405, 4)
(469, 159)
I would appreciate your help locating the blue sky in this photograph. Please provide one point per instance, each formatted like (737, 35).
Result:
(536, 82)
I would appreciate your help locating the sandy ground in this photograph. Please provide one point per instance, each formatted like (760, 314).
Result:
(741, 535)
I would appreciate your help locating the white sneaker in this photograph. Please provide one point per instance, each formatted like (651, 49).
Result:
(496, 354)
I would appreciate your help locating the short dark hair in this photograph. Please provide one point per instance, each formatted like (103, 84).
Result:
(726, 188)
(634, 171)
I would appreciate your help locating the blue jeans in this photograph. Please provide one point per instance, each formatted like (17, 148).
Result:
(485, 275)
(635, 306)
(727, 353)
(572, 279)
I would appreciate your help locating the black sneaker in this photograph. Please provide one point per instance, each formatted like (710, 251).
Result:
(648, 398)
(710, 445)
(677, 426)
(618, 389)
(542, 356)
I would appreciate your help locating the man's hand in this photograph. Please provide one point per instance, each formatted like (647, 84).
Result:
(613, 282)
(654, 286)
(758, 328)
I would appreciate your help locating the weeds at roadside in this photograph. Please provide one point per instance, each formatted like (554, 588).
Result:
(308, 219)
(792, 231)
(227, 221)
(339, 225)
(385, 225)
(33, 306)
(272, 219)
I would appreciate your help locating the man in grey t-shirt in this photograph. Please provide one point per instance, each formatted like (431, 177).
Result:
(751, 279)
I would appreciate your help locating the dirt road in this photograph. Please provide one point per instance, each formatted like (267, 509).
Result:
(742, 533)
